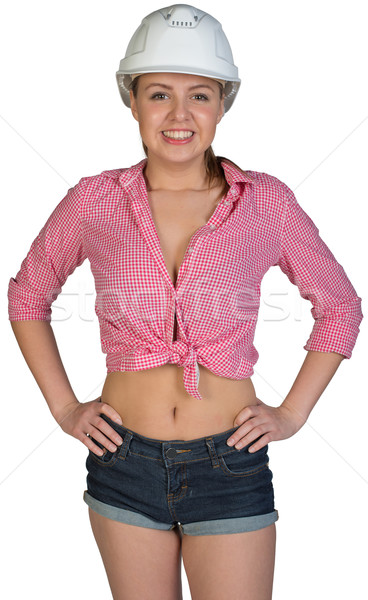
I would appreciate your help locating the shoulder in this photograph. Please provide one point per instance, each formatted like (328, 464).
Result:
(269, 196)
(107, 186)
(265, 189)
(270, 189)
(105, 180)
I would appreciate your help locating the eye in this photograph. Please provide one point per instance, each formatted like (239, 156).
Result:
(201, 97)
(158, 96)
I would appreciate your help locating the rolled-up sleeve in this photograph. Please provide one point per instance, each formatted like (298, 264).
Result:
(53, 256)
(310, 265)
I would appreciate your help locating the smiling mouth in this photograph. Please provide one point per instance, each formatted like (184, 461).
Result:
(178, 135)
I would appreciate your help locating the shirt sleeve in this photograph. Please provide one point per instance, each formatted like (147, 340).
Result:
(53, 256)
(309, 264)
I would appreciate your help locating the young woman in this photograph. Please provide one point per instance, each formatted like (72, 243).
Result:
(178, 246)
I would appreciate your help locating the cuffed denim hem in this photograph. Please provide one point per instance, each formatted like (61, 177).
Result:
(214, 527)
(123, 516)
(237, 525)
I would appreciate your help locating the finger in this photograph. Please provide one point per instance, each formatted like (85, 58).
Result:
(110, 412)
(246, 413)
(263, 441)
(255, 433)
(105, 433)
(243, 430)
(88, 441)
(97, 436)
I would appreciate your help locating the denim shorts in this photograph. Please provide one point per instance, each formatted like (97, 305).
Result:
(201, 486)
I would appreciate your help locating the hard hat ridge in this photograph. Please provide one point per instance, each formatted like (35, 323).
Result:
(179, 39)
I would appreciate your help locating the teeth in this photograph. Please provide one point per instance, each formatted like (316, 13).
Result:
(178, 135)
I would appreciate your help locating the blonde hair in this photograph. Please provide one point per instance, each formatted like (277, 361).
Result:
(212, 163)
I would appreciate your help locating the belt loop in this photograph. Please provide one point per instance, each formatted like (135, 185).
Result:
(212, 452)
(125, 445)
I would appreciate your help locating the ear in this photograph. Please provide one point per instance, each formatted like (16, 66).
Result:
(221, 111)
(133, 105)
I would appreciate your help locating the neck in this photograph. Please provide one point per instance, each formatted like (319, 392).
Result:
(176, 176)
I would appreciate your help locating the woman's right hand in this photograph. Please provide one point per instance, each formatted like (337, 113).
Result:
(83, 421)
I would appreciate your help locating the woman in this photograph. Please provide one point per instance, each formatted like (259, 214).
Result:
(178, 246)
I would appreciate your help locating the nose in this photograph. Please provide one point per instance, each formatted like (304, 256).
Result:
(180, 110)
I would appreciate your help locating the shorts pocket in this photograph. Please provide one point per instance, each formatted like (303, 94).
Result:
(241, 463)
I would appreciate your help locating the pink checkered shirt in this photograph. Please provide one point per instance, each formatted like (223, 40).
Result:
(259, 224)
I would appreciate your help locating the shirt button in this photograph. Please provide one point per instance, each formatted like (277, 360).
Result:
(226, 202)
(212, 226)
(190, 250)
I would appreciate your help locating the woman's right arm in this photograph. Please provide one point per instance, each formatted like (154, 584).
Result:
(54, 254)
(38, 345)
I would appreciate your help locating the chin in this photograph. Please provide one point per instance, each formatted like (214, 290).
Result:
(178, 155)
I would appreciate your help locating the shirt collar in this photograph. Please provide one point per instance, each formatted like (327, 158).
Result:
(233, 174)
(131, 174)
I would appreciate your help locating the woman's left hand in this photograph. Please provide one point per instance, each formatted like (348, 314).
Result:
(272, 423)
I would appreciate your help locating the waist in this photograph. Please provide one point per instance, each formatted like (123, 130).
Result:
(154, 402)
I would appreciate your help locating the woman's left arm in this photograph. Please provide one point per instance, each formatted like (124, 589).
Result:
(308, 263)
(281, 422)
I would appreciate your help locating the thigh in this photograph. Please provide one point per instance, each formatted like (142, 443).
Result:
(139, 562)
(239, 566)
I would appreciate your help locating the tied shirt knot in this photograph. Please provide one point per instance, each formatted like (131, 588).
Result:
(182, 354)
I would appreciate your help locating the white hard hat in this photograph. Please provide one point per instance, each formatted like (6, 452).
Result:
(179, 39)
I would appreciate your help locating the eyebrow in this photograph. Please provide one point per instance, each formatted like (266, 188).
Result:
(168, 87)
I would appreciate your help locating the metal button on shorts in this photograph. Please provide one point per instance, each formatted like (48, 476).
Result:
(171, 453)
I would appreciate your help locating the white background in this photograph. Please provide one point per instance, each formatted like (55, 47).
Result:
(301, 115)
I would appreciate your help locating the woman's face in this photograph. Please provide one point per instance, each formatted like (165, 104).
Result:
(177, 114)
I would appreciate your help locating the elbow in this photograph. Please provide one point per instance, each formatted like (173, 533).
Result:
(336, 328)
(26, 304)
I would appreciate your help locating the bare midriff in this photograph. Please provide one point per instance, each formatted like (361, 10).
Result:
(154, 402)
